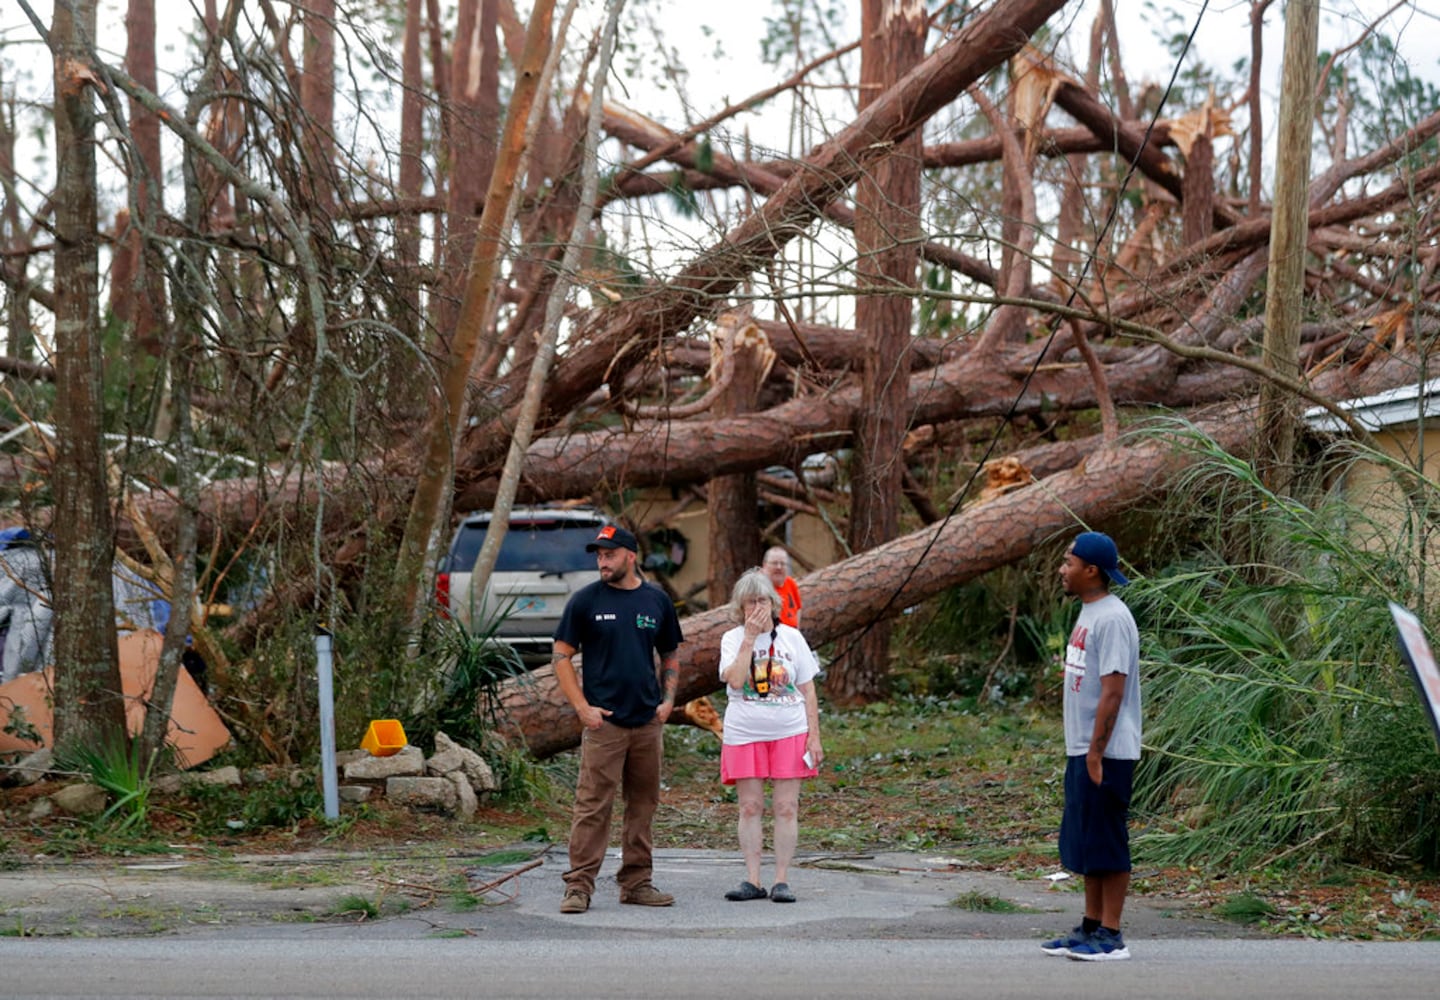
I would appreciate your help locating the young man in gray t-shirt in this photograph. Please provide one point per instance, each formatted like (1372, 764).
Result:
(1102, 744)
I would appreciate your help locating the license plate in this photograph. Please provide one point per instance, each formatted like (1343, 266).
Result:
(529, 605)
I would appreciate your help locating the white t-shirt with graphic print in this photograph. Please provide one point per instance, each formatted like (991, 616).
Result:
(1103, 641)
(750, 718)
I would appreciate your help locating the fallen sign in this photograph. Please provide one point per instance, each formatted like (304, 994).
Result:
(196, 731)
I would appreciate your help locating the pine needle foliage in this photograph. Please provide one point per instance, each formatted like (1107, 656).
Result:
(1280, 722)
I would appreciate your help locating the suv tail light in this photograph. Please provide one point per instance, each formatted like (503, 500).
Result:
(442, 594)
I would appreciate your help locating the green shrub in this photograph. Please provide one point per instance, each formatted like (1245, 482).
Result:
(1279, 720)
(119, 765)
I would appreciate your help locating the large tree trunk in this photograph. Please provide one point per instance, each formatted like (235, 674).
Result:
(887, 230)
(885, 580)
(89, 707)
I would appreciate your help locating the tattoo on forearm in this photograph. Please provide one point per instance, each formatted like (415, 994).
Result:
(669, 677)
(1107, 726)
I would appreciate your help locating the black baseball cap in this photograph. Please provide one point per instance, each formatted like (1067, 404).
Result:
(613, 536)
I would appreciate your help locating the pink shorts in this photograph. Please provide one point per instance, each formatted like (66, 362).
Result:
(767, 759)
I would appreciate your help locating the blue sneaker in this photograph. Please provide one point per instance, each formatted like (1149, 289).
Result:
(1062, 945)
(1102, 946)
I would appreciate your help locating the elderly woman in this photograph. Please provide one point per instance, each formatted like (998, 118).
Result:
(772, 727)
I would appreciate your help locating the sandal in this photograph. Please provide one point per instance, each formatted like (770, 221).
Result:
(780, 893)
(745, 891)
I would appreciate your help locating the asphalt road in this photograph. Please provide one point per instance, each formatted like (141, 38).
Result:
(873, 926)
(785, 965)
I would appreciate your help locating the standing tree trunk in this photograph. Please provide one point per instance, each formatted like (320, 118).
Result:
(412, 170)
(177, 572)
(317, 98)
(13, 237)
(887, 229)
(1290, 232)
(89, 707)
(733, 501)
(443, 429)
(1256, 163)
(473, 116)
(137, 279)
(1196, 222)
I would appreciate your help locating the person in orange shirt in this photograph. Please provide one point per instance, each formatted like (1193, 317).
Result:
(777, 568)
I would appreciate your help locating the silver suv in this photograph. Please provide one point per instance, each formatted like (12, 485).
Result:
(541, 563)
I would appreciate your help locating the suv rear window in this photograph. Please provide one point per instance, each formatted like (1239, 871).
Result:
(530, 546)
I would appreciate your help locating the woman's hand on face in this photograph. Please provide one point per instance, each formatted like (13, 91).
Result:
(757, 618)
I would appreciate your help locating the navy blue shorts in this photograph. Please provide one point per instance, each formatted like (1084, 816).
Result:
(1094, 839)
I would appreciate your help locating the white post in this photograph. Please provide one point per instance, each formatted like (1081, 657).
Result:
(327, 723)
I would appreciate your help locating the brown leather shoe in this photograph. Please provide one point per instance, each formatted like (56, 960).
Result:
(575, 901)
(647, 895)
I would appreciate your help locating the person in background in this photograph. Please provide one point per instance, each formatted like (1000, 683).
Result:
(772, 728)
(618, 624)
(1102, 746)
(777, 567)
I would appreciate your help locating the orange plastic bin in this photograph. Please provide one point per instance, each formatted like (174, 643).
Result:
(384, 737)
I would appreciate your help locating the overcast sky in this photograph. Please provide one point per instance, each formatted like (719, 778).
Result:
(739, 25)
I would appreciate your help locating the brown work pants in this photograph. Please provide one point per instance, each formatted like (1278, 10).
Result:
(614, 757)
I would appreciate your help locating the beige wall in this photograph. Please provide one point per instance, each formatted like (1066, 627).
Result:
(1370, 487)
(811, 541)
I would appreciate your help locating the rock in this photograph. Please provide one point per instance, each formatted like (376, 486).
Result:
(355, 793)
(168, 784)
(41, 808)
(28, 769)
(445, 762)
(466, 802)
(410, 761)
(482, 778)
(436, 794)
(228, 776)
(174, 784)
(81, 799)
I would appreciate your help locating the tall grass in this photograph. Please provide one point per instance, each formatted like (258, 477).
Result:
(1280, 721)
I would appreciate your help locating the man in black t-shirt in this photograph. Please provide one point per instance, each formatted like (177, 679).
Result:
(617, 624)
